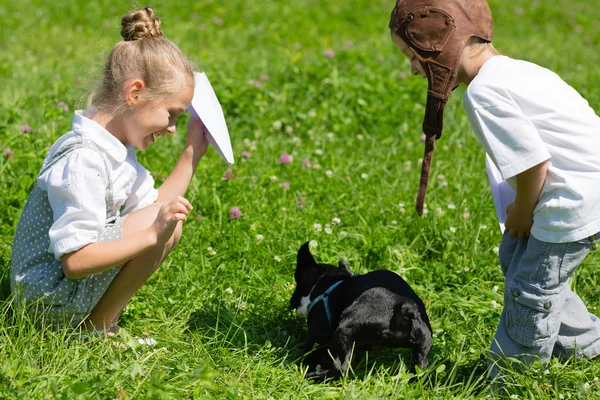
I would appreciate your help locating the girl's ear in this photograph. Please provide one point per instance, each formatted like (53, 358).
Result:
(133, 91)
(305, 258)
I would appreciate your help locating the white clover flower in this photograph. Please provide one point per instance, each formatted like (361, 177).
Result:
(495, 288)
(441, 177)
(317, 227)
(317, 166)
(229, 290)
(289, 130)
(273, 178)
(313, 243)
(146, 341)
(330, 135)
(495, 304)
(329, 173)
(277, 258)
(402, 271)
(259, 238)
(211, 251)
(328, 230)
(336, 221)
(496, 249)
(407, 166)
(277, 125)
(546, 372)
(452, 229)
(343, 234)
(364, 176)
(247, 142)
(451, 206)
(312, 113)
(483, 227)
(394, 222)
(319, 152)
(360, 137)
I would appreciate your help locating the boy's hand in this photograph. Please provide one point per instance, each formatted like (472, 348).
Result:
(196, 136)
(168, 216)
(518, 222)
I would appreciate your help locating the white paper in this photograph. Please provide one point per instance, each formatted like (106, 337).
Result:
(502, 193)
(206, 107)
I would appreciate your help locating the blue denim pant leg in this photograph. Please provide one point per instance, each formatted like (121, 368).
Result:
(542, 316)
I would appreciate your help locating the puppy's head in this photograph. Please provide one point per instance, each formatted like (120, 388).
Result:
(306, 276)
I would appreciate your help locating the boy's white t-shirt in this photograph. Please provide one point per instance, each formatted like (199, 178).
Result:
(524, 114)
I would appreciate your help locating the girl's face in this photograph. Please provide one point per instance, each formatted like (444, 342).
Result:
(150, 120)
(415, 66)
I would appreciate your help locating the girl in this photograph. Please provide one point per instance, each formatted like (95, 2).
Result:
(543, 138)
(94, 227)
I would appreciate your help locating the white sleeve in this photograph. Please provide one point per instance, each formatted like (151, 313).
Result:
(143, 192)
(76, 191)
(507, 135)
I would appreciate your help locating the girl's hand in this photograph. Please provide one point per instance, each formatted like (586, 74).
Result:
(168, 216)
(518, 222)
(196, 136)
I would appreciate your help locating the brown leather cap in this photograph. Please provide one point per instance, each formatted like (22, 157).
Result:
(437, 31)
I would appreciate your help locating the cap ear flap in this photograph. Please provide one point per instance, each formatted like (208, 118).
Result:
(429, 29)
(305, 258)
(342, 265)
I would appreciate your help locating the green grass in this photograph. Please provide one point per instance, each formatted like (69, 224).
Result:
(358, 109)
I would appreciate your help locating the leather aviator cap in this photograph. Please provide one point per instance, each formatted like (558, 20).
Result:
(437, 31)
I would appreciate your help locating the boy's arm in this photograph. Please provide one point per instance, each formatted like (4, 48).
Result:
(179, 179)
(519, 218)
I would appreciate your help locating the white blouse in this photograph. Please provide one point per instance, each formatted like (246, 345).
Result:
(76, 186)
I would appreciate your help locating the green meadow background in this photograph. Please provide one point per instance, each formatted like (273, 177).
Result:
(322, 82)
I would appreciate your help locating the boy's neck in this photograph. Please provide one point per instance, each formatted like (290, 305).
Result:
(471, 63)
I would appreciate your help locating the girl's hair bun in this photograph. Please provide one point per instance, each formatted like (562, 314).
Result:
(140, 24)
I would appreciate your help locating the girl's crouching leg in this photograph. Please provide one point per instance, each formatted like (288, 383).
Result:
(135, 272)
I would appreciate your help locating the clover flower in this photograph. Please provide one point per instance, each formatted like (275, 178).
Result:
(285, 159)
(235, 213)
(25, 128)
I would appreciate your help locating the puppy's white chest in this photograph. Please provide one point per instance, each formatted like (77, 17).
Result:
(304, 303)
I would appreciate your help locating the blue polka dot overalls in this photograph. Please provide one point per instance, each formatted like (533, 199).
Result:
(36, 276)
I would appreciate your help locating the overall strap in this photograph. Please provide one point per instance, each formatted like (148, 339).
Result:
(86, 144)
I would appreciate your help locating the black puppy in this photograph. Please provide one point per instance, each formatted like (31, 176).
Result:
(378, 308)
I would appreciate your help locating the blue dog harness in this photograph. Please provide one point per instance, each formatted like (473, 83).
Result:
(324, 297)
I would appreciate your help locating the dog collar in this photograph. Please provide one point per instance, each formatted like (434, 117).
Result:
(324, 297)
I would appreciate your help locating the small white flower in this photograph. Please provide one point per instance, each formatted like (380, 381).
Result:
(319, 152)
(313, 243)
(247, 142)
(343, 234)
(229, 290)
(483, 227)
(595, 379)
(312, 113)
(330, 135)
(401, 205)
(317, 227)
(317, 166)
(394, 222)
(259, 238)
(546, 372)
(336, 221)
(273, 178)
(407, 166)
(283, 209)
(146, 341)
(360, 137)
(495, 304)
(289, 130)
(402, 271)
(328, 231)
(496, 249)
(495, 288)
(586, 386)
(277, 125)
(451, 206)
(211, 251)
(441, 177)
(452, 229)
(329, 173)
(402, 210)
(277, 258)
(364, 176)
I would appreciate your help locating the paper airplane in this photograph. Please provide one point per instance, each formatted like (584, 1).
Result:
(502, 193)
(206, 107)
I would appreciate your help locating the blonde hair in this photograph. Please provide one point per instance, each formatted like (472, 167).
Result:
(479, 46)
(143, 54)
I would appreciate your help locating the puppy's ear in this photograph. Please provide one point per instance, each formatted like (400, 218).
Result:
(342, 265)
(305, 258)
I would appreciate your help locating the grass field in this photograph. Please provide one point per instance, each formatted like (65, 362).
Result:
(321, 81)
